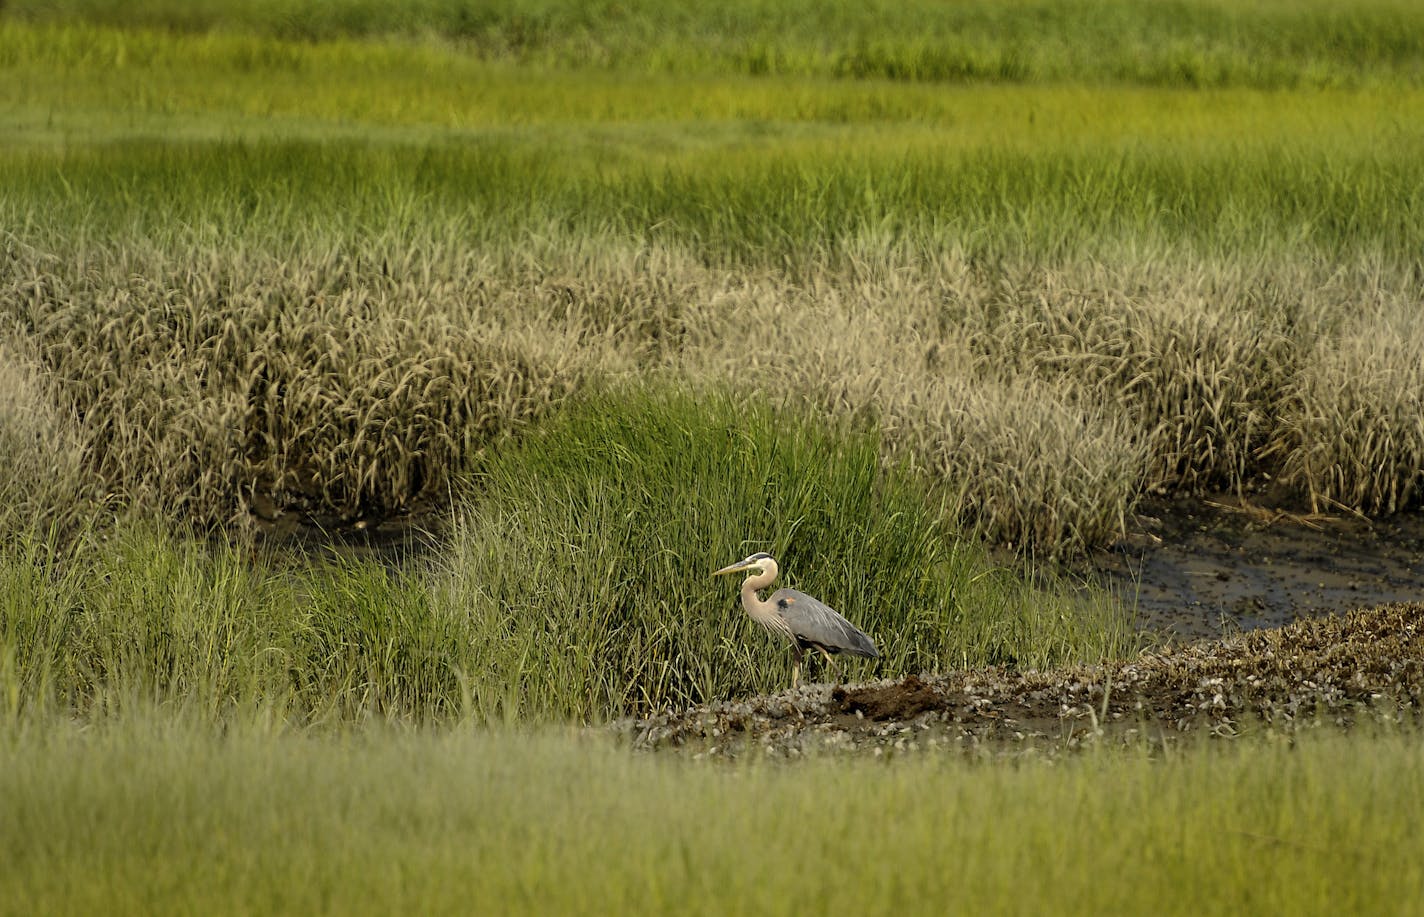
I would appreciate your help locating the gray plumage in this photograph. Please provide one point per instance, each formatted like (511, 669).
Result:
(817, 625)
(804, 621)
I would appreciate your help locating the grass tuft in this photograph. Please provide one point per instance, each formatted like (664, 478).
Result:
(584, 562)
(253, 387)
(44, 489)
(1355, 423)
(1199, 375)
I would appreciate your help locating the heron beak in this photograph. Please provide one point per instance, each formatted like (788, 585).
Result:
(733, 568)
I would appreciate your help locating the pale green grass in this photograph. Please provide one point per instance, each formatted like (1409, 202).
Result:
(1359, 196)
(148, 617)
(82, 84)
(353, 137)
(151, 815)
(742, 167)
(1186, 42)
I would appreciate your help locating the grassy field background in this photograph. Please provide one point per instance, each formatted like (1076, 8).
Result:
(613, 295)
(150, 815)
(1281, 43)
(1069, 293)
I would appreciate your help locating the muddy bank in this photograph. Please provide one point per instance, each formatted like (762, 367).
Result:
(1189, 568)
(1207, 568)
(1339, 669)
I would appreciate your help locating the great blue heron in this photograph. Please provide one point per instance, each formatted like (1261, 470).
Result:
(808, 623)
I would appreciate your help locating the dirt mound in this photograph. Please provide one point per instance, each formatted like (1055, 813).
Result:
(1336, 669)
(896, 701)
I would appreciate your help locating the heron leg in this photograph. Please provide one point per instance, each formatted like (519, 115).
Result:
(795, 666)
(830, 663)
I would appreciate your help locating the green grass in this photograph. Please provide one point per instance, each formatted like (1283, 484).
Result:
(1185, 43)
(153, 815)
(522, 228)
(149, 617)
(118, 79)
(783, 174)
(874, 280)
(576, 589)
(585, 560)
(242, 130)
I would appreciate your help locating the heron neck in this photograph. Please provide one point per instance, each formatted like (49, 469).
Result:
(754, 584)
(762, 611)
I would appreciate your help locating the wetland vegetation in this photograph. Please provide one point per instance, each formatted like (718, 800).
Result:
(604, 296)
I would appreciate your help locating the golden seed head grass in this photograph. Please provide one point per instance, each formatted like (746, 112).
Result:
(355, 381)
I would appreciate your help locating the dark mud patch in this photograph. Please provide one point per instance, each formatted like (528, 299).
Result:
(392, 539)
(1338, 670)
(1207, 568)
(896, 701)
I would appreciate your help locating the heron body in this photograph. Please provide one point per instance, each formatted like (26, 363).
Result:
(805, 622)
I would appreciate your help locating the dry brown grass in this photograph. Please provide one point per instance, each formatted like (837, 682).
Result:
(43, 482)
(353, 382)
(1353, 433)
(1024, 462)
(1199, 368)
(323, 385)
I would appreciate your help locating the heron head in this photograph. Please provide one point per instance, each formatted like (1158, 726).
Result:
(754, 562)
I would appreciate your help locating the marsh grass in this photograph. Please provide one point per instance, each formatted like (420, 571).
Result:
(353, 383)
(794, 294)
(1356, 419)
(252, 385)
(1200, 375)
(1350, 195)
(43, 486)
(576, 588)
(1048, 299)
(149, 618)
(1193, 43)
(585, 559)
(1017, 461)
(153, 814)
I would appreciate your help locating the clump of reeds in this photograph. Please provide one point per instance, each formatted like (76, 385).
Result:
(1353, 429)
(1018, 461)
(1198, 372)
(322, 385)
(583, 562)
(44, 486)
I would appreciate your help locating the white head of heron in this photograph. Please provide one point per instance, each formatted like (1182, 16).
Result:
(753, 562)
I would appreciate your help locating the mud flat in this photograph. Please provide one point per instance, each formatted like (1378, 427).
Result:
(1366, 665)
(1208, 568)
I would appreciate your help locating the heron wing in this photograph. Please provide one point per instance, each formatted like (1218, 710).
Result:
(813, 621)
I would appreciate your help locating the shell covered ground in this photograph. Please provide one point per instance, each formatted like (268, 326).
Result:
(1365, 665)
